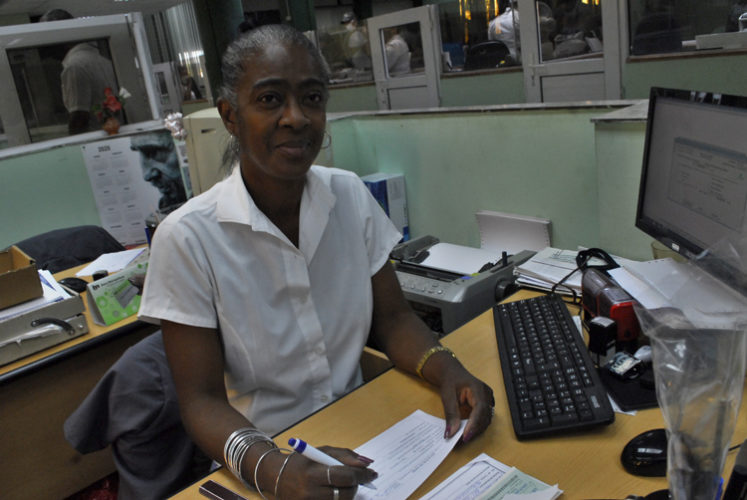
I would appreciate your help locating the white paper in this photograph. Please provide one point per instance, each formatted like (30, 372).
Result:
(459, 259)
(550, 265)
(647, 296)
(486, 478)
(111, 262)
(123, 197)
(512, 233)
(705, 301)
(406, 454)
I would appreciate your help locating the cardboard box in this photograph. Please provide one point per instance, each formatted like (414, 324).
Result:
(389, 191)
(19, 279)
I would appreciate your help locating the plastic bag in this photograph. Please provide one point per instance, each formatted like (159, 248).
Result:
(699, 347)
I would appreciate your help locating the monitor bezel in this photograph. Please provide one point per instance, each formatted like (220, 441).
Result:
(671, 239)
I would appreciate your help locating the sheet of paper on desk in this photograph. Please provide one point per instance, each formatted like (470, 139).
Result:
(112, 262)
(485, 478)
(459, 259)
(705, 301)
(406, 454)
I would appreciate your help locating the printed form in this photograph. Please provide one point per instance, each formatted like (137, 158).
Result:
(406, 454)
(485, 478)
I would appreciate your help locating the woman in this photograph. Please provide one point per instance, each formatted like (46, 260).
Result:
(275, 277)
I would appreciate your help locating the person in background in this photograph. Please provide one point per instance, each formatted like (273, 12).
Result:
(190, 90)
(160, 164)
(737, 11)
(356, 42)
(397, 54)
(85, 75)
(505, 28)
(268, 285)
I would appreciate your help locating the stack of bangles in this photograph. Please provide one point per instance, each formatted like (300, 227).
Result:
(238, 444)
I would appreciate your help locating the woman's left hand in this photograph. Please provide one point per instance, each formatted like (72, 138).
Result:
(465, 396)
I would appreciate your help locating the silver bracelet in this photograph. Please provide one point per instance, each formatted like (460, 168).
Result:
(280, 472)
(238, 444)
(237, 440)
(241, 476)
(256, 469)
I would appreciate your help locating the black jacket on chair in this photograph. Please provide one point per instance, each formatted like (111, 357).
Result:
(62, 249)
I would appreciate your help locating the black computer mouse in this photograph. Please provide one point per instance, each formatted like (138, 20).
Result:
(75, 284)
(646, 454)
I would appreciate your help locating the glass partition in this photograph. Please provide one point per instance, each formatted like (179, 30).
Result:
(403, 50)
(96, 53)
(38, 84)
(479, 35)
(668, 26)
(569, 29)
(346, 48)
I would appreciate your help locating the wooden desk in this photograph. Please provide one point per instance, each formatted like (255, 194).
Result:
(585, 465)
(37, 394)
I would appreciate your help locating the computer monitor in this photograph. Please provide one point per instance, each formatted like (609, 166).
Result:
(693, 191)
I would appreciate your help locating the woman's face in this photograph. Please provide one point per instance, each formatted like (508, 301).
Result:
(280, 117)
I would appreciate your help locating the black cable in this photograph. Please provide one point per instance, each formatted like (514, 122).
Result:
(576, 300)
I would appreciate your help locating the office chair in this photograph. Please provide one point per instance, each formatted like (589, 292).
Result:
(62, 249)
(134, 409)
(490, 54)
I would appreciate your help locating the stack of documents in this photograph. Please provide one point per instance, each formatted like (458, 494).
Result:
(550, 265)
(547, 267)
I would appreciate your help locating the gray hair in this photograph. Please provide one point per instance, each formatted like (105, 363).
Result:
(249, 45)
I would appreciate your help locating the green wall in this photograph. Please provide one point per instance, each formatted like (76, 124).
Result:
(726, 74)
(619, 156)
(352, 98)
(553, 162)
(718, 73)
(538, 162)
(44, 191)
(503, 87)
(476, 89)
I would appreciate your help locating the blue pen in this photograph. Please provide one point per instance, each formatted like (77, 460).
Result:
(305, 449)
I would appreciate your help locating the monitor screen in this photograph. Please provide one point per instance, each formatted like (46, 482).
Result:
(693, 191)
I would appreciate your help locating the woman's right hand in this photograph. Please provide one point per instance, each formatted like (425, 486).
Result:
(305, 479)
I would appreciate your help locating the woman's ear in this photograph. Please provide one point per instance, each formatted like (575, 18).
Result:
(228, 115)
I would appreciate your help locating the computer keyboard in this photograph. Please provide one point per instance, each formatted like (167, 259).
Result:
(550, 379)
